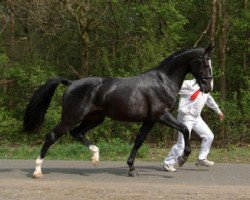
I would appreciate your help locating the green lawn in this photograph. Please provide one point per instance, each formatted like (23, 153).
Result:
(119, 151)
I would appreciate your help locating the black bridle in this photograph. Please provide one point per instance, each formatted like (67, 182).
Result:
(202, 78)
(206, 77)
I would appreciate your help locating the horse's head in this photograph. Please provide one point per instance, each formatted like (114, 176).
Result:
(202, 70)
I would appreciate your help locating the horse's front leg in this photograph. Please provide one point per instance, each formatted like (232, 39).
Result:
(145, 128)
(169, 120)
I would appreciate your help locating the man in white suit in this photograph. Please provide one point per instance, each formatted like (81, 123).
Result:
(192, 101)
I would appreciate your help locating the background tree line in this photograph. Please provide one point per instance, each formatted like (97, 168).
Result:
(41, 39)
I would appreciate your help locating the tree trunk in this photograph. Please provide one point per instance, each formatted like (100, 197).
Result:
(246, 54)
(12, 29)
(114, 43)
(245, 5)
(213, 20)
(9, 84)
(222, 58)
(222, 49)
(85, 54)
(79, 11)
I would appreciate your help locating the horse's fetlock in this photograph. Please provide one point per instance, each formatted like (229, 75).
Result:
(130, 161)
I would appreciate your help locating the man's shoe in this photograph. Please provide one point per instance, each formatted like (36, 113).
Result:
(204, 162)
(168, 168)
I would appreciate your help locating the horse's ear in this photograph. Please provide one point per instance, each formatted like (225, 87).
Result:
(209, 49)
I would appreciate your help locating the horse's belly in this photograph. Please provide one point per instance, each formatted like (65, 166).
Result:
(124, 104)
(121, 113)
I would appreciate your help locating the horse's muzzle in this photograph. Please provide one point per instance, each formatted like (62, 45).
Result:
(206, 85)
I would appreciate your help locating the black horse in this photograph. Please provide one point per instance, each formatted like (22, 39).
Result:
(147, 98)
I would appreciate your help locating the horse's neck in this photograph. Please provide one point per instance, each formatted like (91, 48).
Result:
(176, 72)
(179, 75)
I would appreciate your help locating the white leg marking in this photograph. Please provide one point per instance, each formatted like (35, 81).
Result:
(38, 171)
(95, 150)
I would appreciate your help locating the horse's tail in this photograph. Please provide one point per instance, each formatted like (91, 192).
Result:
(39, 103)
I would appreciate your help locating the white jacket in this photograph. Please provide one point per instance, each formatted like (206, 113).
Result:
(194, 108)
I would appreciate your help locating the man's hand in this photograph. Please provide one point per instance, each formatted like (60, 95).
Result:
(221, 116)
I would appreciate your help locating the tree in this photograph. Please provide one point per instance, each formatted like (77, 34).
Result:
(213, 20)
(224, 25)
(41, 39)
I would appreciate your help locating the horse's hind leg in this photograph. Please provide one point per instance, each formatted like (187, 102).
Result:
(50, 139)
(145, 128)
(79, 132)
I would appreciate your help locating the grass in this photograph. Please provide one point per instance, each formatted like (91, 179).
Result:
(117, 150)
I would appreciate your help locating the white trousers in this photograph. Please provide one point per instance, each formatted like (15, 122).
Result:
(201, 128)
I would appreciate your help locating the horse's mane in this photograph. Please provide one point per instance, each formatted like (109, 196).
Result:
(171, 57)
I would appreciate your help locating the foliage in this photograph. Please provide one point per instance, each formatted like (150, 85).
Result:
(45, 40)
(118, 151)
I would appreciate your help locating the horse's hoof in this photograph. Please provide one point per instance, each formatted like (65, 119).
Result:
(133, 173)
(181, 160)
(37, 175)
(94, 161)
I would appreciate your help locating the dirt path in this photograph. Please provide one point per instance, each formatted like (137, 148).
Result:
(80, 180)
